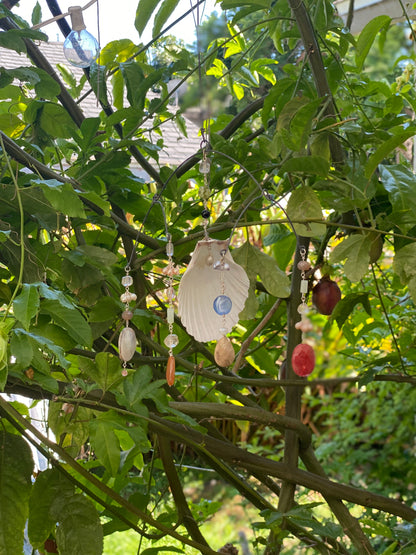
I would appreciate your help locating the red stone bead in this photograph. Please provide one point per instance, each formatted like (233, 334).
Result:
(303, 359)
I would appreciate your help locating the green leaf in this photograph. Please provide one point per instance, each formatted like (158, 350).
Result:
(367, 36)
(70, 320)
(26, 304)
(404, 266)
(256, 262)
(98, 256)
(105, 443)
(376, 528)
(21, 348)
(165, 11)
(16, 467)
(36, 14)
(105, 371)
(346, 305)
(44, 343)
(144, 12)
(304, 205)
(385, 149)
(399, 182)
(79, 529)
(62, 197)
(49, 485)
(55, 120)
(139, 386)
(356, 250)
(316, 165)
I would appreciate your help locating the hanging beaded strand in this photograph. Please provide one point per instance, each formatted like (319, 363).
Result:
(224, 351)
(205, 191)
(127, 341)
(303, 266)
(171, 340)
(303, 356)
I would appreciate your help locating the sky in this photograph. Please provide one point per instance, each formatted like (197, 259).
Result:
(116, 19)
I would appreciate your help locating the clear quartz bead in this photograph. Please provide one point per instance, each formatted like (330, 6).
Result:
(171, 341)
(126, 281)
(204, 166)
(209, 260)
(303, 308)
(223, 330)
(170, 293)
(170, 315)
(169, 249)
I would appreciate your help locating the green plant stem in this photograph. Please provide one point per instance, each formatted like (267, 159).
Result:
(22, 231)
(386, 315)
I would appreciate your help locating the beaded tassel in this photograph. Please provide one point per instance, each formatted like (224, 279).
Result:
(204, 191)
(303, 356)
(127, 339)
(171, 340)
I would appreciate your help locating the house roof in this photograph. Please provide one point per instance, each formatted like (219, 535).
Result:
(366, 10)
(177, 147)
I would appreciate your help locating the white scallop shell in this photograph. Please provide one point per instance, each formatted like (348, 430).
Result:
(201, 284)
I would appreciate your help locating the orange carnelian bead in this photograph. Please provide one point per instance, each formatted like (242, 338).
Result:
(170, 370)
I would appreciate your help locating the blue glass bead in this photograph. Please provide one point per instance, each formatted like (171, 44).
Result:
(222, 305)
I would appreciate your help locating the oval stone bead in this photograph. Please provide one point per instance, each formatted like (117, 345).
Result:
(224, 352)
(127, 344)
(170, 370)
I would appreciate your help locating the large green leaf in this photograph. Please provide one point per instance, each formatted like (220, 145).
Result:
(144, 12)
(16, 467)
(165, 11)
(21, 348)
(26, 304)
(79, 529)
(367, 36)
(404, 264)
(304, 206)
(315, 165)
(399, 182)
(62, 197)
(49, 485)
(139, 386)
(386, 148)
(256, 262)
(355, 250)
(98, 256)
(105, 371)
(44, 343)
(105, 443)
(70, 319)
(346, 305)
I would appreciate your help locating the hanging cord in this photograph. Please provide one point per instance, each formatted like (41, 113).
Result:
(62, 15)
